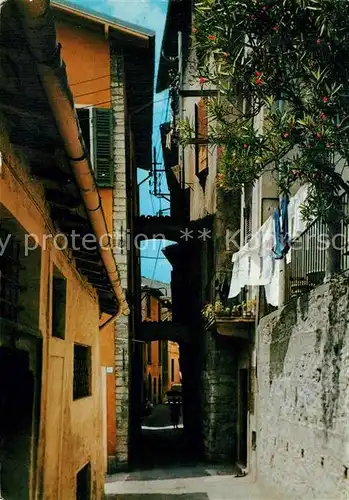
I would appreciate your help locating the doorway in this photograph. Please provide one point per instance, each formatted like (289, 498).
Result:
(243, 416)
(16, 423)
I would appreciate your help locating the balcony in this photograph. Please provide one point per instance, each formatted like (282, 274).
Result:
(230, 321)
(320, 251)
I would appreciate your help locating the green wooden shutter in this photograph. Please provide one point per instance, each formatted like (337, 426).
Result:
(102, 147)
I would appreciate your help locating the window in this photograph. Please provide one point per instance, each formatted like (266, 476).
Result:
(149, 352)
(201, 132)
(83, 483)
(148, 305)
(82, 371)
(96, 128)
(172, 370)
(59, 298)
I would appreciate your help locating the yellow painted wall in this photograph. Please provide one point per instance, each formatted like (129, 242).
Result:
(87, 57)
(70, 431)
(173, 353)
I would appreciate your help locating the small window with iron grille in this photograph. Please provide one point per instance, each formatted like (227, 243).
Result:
(83, 483)
(82, 371)
(59, 292)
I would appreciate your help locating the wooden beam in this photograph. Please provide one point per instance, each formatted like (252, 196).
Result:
(88, 270)
(96, 263)
(58, 198)
(92, 256)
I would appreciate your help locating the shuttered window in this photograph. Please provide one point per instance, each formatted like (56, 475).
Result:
(201, 132)
(96, 128)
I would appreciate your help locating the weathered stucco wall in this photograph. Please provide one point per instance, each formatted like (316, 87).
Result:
(303, 395)
(69, 431)
(219, 382)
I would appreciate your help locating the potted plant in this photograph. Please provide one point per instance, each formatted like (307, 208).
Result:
(251, 307)
(227, 311)
(219, 308)
(236, 311)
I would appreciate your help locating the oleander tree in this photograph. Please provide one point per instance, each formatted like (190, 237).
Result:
(288, 61)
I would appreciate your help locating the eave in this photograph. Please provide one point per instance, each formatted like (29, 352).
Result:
(33, 133)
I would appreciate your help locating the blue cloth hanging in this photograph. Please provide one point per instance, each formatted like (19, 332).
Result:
(278, 247)
(284, 224)
(281, 238)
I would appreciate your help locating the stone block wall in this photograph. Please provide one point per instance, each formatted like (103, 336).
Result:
(219, 393)
(303, 395)
(122, 333)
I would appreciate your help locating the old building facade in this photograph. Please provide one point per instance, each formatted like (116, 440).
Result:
(53, 308)
(274, 351)
(103, 56)
(160, 358)
(68, 200)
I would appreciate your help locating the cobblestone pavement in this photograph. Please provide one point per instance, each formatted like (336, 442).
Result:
(166, 470)
(198, 482)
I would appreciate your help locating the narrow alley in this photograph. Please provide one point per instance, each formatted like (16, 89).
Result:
(174, 250)
(185, 483)
(166, 470)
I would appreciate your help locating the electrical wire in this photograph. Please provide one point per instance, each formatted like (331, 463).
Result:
(110, 101)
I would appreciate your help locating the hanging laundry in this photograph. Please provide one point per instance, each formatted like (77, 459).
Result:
(284, 224)
(278, 246)
(296, 224)
(282, 241)
(253, 264)
(272, 290)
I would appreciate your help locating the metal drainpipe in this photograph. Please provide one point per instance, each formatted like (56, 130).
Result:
(36, 16)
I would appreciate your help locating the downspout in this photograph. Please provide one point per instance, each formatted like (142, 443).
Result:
(40, 32)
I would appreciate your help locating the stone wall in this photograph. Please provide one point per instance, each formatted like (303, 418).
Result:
(122, 334)
(303, 395)
(219, 392)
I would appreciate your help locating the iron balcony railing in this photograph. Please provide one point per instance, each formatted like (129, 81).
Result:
(311, 252)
